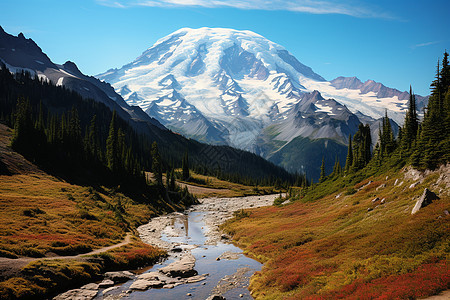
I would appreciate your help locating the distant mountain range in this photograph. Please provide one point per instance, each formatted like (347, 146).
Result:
(19, 53)
(22, 54)
(228, 87)
(225, 86)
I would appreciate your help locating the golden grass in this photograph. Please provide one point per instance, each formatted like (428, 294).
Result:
(210, 186)
(40, 214)
(333, 247)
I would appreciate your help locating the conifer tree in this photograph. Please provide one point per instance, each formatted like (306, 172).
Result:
(337, 169)
(349, 160)
(185, 166)
(409, 132)
(156, 164)
(322, 171)
(111, 145)
(387, 141)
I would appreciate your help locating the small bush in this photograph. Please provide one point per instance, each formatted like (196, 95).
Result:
(7, 254)
(32, 252)
(278, 201)
(20, 288)
(32, 212)
(350, 191)
(239, 214)
(84, 214)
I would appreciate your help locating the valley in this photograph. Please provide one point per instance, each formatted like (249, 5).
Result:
(216, 157)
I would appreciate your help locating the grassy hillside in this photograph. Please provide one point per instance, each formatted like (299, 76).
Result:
(356, 242)
(42, 216)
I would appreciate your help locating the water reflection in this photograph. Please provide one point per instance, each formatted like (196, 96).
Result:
(230, 277)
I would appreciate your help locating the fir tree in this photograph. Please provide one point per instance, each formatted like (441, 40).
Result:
(387, 141)
(156, 165)
(322, 171)
(409, 131)
(111, 145)
(349, 160)
(185, 166)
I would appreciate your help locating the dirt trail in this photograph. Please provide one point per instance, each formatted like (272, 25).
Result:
(11, 266)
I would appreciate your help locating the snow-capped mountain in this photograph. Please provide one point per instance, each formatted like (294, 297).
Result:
(227, 85)
(19, 53)
(238, 88)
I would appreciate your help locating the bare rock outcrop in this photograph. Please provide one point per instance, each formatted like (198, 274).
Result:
(424, 200)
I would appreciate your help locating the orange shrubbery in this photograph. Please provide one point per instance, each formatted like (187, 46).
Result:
(40, 214)
(336, 247)
(133, 255)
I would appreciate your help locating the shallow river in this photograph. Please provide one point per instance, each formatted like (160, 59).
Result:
(195, 232)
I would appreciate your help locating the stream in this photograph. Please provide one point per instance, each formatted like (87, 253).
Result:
(194, 237)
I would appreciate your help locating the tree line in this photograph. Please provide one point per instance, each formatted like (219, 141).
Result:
(61, 131)
(425, 145)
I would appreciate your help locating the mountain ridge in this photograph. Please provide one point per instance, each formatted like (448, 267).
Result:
(225, 86)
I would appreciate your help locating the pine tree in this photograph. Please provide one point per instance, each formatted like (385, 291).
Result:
(322, 171)
(111, 145)
(349, 160)
(387, 141)
(337, 169)
(185, 166)
(156, 165)
(428, 153)
(409, 132)
(23, 126)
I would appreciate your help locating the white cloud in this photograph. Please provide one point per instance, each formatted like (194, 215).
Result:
(305, 6)
(424, 44)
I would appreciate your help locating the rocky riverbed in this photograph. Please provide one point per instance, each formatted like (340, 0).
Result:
(201, 263)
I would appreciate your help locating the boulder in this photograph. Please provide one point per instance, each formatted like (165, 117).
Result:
(182, 268)
(106, 283)
(121, 276)
(424, 200)
(150, 276)
(143, 285)
(86, 292)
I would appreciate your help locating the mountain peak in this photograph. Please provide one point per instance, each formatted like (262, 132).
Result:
(71, 67)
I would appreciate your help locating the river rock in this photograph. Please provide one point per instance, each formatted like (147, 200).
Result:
(196, 278)
(150, 276)
(229, 255)
(110, 289)
(216, 297)
(90, 286)
(424, 200)
(120, 276)
(143, 285)
(182, 268)
(106, 283)
(86, 292)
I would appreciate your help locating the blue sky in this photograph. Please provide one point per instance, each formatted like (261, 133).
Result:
(394, 42)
